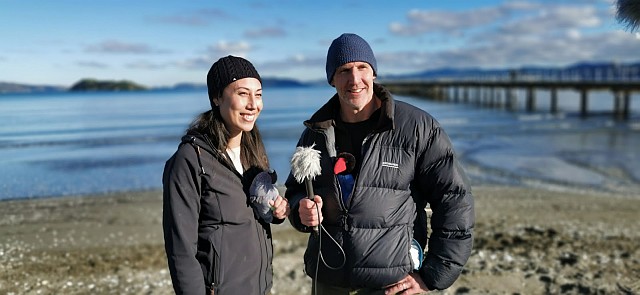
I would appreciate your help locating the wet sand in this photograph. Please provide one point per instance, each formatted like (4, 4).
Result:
(527, 242)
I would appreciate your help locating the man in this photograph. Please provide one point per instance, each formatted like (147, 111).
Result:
(403, 161)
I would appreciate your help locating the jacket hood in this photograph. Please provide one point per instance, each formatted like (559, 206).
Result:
(203, 141)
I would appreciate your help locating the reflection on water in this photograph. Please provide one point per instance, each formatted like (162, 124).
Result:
(79, 143)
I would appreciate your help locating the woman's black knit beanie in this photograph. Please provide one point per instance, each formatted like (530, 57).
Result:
(227, 70)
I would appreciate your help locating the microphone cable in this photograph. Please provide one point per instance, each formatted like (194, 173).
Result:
(345, 162)
(320, 257)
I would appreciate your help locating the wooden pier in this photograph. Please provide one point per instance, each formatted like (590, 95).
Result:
(490, 93)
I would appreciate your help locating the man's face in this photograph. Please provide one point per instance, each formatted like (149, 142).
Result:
(354, 83)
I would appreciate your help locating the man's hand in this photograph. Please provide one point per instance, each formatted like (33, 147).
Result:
(411, 284)
(311, 211)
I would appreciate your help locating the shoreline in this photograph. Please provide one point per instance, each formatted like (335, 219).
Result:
(531, 241)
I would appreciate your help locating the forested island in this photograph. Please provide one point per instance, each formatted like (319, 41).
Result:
(97, 85)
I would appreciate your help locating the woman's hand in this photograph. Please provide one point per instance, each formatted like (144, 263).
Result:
(280, 207)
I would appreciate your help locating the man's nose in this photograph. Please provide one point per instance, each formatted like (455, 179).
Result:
(354, 75)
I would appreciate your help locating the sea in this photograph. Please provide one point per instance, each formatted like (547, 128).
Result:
(93, 143)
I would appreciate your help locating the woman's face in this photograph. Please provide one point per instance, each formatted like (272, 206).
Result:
(240, 106)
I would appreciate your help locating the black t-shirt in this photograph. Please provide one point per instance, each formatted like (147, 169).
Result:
(349, 136)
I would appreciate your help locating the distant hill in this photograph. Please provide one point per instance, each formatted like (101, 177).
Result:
(6, 87)
(581, 71)
(266, 82)
(96, 85)
(280, 82)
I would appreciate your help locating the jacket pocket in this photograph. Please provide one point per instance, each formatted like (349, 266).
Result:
(209, 257)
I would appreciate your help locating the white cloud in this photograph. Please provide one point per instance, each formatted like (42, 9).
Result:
(553, 18)
(574, 34)
(213, 53)
(145, 65)
(197, 63)
(422, 21)
(294, 66)
(222, 48)
(299, 58)
(92, 64)
(447, 22)
(202, 17)
(115, 46)
(265, 32)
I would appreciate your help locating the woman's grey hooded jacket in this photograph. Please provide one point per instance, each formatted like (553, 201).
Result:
(407, 162)
(213, 240)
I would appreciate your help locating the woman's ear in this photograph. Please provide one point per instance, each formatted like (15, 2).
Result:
(216, 102)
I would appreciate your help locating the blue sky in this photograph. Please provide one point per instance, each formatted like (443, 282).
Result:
(161, 43)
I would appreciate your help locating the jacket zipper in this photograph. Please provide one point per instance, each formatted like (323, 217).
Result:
(262, 284)
(215, 272)
(363, 154)
(216, 268)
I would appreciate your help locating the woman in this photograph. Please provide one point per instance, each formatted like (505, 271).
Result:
(213, 240)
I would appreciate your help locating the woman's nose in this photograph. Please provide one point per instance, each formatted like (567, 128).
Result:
(251, 102)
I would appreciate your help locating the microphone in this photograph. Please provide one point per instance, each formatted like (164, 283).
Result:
(305, 166)
(345, 163)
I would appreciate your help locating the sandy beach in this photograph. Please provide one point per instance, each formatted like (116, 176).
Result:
(527, 242)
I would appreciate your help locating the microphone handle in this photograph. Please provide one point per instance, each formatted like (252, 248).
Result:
(311, 196)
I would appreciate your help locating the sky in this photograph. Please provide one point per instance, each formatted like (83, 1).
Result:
(162, 43)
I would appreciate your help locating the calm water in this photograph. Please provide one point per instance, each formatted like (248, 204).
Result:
(85, 143)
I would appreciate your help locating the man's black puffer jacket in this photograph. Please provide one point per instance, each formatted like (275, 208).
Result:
(407, 162)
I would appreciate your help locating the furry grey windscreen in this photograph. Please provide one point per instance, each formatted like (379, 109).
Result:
(305, 163)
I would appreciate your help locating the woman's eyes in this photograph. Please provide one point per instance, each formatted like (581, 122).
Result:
(246, 93)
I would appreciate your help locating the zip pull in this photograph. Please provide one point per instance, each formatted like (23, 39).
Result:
(345, 217)
(199, 162)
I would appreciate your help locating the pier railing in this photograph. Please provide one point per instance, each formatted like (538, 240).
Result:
(489, 92)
